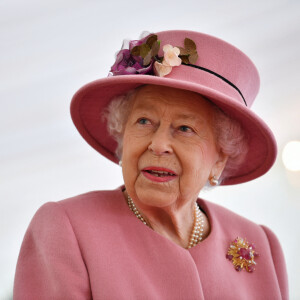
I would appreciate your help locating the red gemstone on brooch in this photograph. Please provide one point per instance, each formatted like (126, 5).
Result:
(242, 255)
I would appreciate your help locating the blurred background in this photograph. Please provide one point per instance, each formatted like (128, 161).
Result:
(51, 48)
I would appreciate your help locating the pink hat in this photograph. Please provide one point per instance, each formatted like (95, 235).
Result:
(220, 72)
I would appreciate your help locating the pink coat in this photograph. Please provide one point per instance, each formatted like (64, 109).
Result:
(92, 247)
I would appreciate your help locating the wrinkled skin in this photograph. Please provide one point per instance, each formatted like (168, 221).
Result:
(170, 128)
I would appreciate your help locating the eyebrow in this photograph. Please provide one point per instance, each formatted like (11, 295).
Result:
(181, 116)
(187, 117)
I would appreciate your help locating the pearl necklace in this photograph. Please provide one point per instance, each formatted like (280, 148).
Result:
(197, 233)
(198, 229)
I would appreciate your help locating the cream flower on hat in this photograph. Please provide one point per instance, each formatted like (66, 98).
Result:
(171, 56)
(161, 70)
(170, 60)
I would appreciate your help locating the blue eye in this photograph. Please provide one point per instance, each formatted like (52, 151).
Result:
(143, 121)
(184, 128)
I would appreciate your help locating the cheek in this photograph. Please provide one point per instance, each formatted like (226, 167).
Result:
(129, 157)
(133, 149)
(197, 165)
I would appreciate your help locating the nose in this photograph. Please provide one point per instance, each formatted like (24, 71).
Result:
(161, 143)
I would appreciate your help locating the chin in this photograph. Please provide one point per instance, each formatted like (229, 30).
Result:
(156, 194)
(157, 200)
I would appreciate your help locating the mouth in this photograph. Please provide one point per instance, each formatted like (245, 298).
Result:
(159, 174)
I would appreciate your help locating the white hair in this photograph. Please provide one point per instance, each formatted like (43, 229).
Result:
(231, 140)
(116, 115)
(230, 136)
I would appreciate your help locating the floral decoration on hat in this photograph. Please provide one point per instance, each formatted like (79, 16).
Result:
(242, 255)
(170, 60)
(142, 57)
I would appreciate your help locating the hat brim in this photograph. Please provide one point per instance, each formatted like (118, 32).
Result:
(89, 102)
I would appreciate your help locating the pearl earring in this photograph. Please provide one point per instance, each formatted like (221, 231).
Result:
(213, 181)
(120, 163)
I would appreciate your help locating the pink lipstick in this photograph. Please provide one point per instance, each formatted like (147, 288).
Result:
(159, 174)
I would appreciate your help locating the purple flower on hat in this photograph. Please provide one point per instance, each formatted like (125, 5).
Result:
(127, 64)
(138, 59)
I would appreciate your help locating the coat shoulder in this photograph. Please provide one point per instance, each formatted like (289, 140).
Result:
(227, 218)
(94, 201)
(90, 197)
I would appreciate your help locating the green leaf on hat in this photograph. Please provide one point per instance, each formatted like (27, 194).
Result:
(151, 40)
(155, 48)
(144, 50)
(189, 45)
(183, 51)
(185, 59)
(135, 51)
(147, 59)
(193, 58)
(188, 54)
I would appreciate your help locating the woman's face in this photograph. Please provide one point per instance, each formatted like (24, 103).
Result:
(169, 149)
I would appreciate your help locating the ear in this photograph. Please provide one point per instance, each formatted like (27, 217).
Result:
(219, 165)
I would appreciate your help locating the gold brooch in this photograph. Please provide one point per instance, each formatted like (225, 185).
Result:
(242, 255)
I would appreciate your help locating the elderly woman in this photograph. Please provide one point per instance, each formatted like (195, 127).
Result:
(175, 114)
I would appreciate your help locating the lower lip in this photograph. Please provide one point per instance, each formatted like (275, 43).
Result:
(157, 178)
